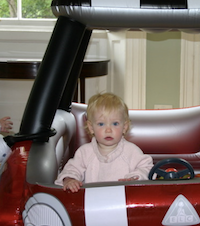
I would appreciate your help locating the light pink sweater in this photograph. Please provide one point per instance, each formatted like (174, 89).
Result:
(88, 165)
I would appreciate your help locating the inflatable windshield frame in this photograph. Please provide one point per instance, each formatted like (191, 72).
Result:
(146, 15)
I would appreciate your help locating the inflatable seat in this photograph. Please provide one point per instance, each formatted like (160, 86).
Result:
(159, 133)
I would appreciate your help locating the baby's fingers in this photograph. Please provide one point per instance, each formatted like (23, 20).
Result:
(129, 179)
(73, 186)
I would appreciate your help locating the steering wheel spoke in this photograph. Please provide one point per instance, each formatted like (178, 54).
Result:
(161, 172)
(182, 173)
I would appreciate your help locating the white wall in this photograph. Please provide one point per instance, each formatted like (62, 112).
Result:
(13, 97)
(98, 48)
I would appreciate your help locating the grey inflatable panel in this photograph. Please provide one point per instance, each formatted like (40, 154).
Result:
(130, 15)
(45, 157)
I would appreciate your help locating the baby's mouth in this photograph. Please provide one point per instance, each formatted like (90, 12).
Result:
(108, 138)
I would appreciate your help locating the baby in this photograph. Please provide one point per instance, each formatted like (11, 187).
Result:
(108, 157)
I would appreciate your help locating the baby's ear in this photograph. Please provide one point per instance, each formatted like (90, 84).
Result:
(126, 127)
(89, 126)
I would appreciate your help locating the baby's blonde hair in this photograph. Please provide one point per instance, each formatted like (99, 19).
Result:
(108, 102)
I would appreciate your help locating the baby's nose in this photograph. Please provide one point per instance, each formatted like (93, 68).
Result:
(108, 129)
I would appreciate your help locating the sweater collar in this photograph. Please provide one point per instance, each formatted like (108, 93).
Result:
(112, 155)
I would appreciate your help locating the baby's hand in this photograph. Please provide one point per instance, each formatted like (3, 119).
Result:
(72, 184)
(129, 179)
(5, 124)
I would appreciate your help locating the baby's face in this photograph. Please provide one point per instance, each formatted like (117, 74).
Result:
(108, 128)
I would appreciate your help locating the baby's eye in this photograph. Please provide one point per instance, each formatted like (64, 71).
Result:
(100, 124)
(115, 123)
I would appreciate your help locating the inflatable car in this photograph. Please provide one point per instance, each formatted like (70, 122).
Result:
(52, 128)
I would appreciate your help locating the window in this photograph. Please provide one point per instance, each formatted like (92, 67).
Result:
(26, 9)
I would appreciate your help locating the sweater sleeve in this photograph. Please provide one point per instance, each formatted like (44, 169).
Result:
(76, 166)
(139, 163)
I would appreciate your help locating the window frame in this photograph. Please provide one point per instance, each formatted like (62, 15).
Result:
(26, 24)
